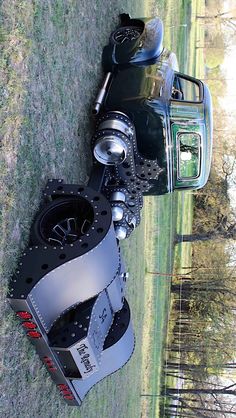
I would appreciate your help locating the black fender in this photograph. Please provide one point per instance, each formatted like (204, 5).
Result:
(147, 47)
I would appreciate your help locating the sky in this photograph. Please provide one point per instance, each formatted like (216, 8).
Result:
(229, 66)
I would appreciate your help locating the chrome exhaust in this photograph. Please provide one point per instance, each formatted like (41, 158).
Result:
(101, 95)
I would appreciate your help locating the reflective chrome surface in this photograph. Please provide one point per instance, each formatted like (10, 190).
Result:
(121, 232)
(117, 213)
(101, 95)
(110, 150)
(117, 124)
(117, 197)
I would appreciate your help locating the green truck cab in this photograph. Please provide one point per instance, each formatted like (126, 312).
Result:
(171, 111)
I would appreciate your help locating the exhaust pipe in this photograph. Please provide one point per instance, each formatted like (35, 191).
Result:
(101, 94)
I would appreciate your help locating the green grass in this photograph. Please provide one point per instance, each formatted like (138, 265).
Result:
(50, 71)
(185, 34)
(184, 226)
(173, 216)
(196, 37)
(160, 221)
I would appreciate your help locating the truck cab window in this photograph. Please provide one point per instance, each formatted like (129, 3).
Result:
(188, 155)
(185, 89)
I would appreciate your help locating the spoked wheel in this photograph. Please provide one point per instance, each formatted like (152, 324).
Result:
(62, 222)
(126, 34)
(64, 232)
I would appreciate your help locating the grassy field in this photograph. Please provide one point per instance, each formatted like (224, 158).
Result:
(160, 221)
(166, 216)
(50, 72)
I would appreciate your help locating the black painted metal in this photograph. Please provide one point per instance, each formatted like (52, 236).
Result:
(71, 326)
(133, 177)
(119, 326)
(97, 175)
(37, 260)
(68, 364)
